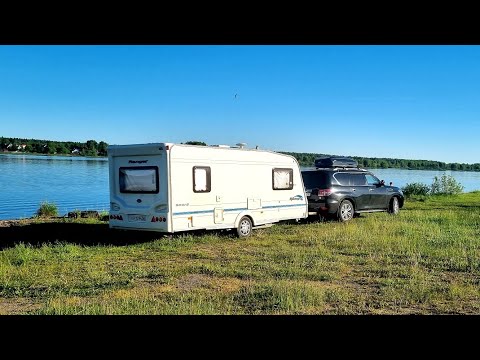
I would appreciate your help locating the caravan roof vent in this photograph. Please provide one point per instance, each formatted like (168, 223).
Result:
(241, 145)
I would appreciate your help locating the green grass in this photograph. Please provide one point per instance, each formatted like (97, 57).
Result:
(426, 260)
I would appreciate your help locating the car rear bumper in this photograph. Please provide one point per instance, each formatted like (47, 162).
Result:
(324, 206)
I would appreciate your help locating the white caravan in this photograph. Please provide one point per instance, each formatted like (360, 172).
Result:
(169, 188)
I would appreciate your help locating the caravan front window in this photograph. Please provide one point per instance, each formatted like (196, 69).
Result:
(139, 180)
(282, 179)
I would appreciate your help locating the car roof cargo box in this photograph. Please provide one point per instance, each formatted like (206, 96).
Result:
(334, 162)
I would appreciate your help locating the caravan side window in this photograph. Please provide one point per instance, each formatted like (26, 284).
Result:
(201, 179)
(282, 179)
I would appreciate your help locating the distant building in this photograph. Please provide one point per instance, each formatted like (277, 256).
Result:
(75, 151)
(21, 147)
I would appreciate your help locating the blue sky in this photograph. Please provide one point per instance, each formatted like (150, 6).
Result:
(410, 102)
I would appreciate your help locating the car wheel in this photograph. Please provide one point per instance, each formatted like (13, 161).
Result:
(394, 207)
(345, 211)
(244, 228)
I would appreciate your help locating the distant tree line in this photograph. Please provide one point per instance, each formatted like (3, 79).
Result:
(308, 159)
(93, 148)
(89, 148)
(195, 143)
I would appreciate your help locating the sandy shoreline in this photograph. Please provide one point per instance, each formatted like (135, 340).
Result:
(20, 222)
(7, 223)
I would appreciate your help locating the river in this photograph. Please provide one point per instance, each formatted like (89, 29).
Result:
(79, 183)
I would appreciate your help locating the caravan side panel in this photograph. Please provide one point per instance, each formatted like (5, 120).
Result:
(212, 188)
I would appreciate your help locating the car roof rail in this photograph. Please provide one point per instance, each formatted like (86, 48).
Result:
(341, 168)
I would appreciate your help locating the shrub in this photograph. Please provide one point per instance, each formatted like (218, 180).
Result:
(447, 185)
(416, 189)
(103, 215)
(47, 209)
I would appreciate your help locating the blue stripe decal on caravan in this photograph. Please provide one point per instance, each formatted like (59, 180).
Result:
(194, 212)
(280, 206)
(234, 209)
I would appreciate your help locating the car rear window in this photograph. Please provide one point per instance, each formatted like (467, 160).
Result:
(316, 179)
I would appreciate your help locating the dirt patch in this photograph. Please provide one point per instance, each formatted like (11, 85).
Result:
(193, 281)
(8, 223)
(28, 221)
(18, 306)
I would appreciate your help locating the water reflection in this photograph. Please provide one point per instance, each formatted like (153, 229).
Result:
(13, 158)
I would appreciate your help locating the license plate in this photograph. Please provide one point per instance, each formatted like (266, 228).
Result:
(137, 218)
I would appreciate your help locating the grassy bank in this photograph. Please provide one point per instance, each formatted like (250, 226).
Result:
(426, 260)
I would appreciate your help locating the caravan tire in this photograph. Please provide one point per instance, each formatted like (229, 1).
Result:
(244, 228)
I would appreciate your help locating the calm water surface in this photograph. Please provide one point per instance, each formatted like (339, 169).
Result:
(82, 183)
(400, 177)
(70, 182)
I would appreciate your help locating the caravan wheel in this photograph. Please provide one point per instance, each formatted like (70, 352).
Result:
(244, 228)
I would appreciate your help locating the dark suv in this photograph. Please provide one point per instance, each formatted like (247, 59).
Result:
(337, 187)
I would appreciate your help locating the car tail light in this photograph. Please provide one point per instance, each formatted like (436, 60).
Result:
(324, 192)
